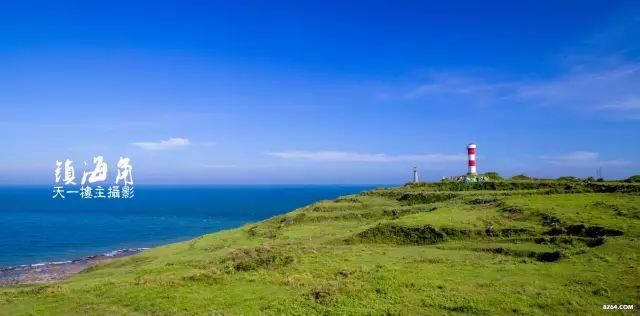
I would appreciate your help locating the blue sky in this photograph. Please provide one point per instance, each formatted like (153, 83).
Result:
(319, 92)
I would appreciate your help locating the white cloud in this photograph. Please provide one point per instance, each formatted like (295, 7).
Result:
(451, 83)
(631, 103)
(595, 88)
(600, 74)
(342, 156)
(170, 143)
(222, 166)
(614, 89)
(581, 159)
(235, 166)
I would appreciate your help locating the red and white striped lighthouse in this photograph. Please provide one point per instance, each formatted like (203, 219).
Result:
(471, 150)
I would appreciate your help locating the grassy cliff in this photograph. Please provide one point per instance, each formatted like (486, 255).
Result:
(516, 247)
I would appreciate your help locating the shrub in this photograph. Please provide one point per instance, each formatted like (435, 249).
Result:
(555, 240)
(540, 256)
(594, 242)
(575, 229)
(633, 179)
(255, 258)
(399, 234)
(423, 198)
(493, 176)
(549, 220)
(484, 200)
(509, 232)
(555, 231)
(456, 232)
(550, 256)
(568, 178)
(323, 293)
(597, 231)
(584, 230)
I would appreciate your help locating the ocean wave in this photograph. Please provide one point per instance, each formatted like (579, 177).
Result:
(110, 254)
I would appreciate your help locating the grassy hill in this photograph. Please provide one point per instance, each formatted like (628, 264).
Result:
(513, 247)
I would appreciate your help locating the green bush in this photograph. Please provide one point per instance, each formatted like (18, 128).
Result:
(633, 179)
(256, 258)
(402, 235)
(493, 176)
(551, 186)
(568, 178)
(423, 198)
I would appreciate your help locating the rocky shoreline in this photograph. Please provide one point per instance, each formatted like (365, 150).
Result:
(51, 271)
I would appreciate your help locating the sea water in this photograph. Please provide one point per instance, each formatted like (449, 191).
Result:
(35, 228)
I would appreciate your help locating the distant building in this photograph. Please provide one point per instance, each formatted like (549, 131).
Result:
(471, 151)
(415, 175)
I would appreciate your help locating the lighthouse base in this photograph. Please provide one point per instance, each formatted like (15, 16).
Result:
(468, 178)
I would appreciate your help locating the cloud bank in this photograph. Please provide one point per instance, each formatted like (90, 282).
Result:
(611, 89)
(581, 159)
(170, 143)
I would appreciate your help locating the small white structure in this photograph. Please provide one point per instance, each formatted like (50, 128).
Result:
(471, 151)
(415, 175)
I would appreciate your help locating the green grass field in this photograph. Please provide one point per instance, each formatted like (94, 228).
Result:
(534, 248)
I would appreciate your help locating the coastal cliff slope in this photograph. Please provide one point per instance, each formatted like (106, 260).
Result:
(507, 247)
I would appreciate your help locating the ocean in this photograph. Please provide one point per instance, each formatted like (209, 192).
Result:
(35, 228)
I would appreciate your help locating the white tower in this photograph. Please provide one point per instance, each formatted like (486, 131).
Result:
(415, 175)
(471, 151)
